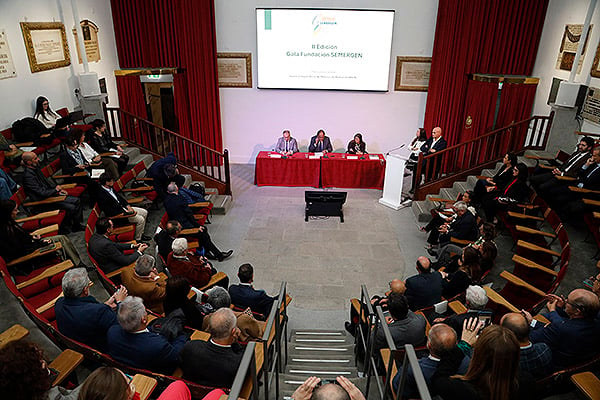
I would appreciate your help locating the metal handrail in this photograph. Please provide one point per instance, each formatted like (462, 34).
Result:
(247, 363)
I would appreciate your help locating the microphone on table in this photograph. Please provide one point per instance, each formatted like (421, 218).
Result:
(395, 148)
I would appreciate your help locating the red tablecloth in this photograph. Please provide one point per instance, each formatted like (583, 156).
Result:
(338, 171)
(297, 170)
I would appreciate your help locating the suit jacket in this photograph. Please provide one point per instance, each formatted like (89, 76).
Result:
(456, 321)
(312, 148)
(426, 148)
(36, 185)
(424, 290)
(211, 365)
(85, 319)
(153, 292)
(197, 272)
(109, 205)
(178, 209)
(590, 179)
(108, 254)
(464, 227)
(145, 350)
(102, 144)
(408, 330)
(164, 243)
(292, 145)
(246, 296)
(68, 164)
(351, 149)
(572, 341)
(574, 163)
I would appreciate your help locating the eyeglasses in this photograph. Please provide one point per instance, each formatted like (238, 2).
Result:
(577, 306)
(45, 104)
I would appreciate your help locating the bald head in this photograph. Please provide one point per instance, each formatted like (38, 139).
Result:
(582, 303)
(517, 323)
(330, 391)
(437, 132)
(441, 339)
(397, 286)
(423, 265)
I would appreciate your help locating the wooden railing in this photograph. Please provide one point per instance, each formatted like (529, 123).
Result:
(442, 168)
(194, 158)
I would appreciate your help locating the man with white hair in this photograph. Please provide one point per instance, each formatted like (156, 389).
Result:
(80, 316)
(214, 363)
(476, 299)
(133, 344)
(463, 227)
(196, 269)
(179, 210)
(145, 281)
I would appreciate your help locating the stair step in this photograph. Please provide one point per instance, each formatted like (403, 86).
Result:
(421, 211)
(321, 371)
(313, 350)
(188, 180)
(289, 383)
(312, 332)
(221, 204)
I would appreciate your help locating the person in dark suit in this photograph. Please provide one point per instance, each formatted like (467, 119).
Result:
(320, 143)
(80, 316)
(109, 255)
(102, 143)
(425, 288)
(72, 162)
(498, 182)
(164, 239)
(515, 191)
(432, 145)
(131, 343)
(244, 295)
(476, 299)
(463, 227)
(179, 210)
(357, 146)
(112, 203)
(405, 326)
(286, 144)
(215, 362)
(573, 330)
(38, 187)
(164, 171)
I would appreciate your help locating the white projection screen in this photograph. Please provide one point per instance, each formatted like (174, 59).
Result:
(324, 48)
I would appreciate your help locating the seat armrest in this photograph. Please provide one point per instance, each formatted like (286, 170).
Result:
(49, 200)
(65, 364)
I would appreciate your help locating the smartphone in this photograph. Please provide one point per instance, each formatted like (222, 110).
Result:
(486, 317)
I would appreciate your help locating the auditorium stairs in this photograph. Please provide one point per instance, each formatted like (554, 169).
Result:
(322, 353)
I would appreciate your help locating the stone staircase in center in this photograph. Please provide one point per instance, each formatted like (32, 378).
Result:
(321, 353)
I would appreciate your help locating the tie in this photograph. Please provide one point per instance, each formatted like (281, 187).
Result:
(571, 161)
(320, 146)
(286, 146)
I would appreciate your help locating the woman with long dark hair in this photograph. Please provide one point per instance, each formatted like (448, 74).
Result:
(516, 190)
(468, 273)
(357, 146)
(44, 113)
(177, 291)
(498, 182)
(101, 142)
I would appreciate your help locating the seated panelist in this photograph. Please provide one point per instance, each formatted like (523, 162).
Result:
(319, 143)
(286, 145)
(357, 146)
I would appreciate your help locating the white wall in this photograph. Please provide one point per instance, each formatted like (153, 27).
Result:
(253, 119)
(17, 95)
(559, 13)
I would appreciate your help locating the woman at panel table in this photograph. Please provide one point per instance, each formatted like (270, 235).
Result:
(286, 144)
(357, 146)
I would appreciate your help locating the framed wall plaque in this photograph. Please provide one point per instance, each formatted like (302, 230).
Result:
(412, 73)
(595, 72)
(46, 45)
(234, 69)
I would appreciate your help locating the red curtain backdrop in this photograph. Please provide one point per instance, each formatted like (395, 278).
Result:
(478, 36)
(516, 104)
(173, 34)
(479, 110)
(131, 99)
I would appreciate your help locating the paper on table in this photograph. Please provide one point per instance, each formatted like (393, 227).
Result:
(97, 172)
(373, 157)
(315, 157)
(319, 154)
(352, 157)
(275, 155)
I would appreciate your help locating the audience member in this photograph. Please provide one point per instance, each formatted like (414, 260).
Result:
(144, 281)
(441, 340)
(405, 326)
(446, 214)
(535, 358)
(165, 237)
(24, 374)
(112, 204)
(214, 363)
(12, 154)
(312, 390)
(131, 343)
(196, 269)
(7, 185)
(425, 288)
(244, 295)
(356, 145)
(469, 272)
(515, 191)
(476, 299)
(484, 244)
(38, 188)
(80, 316)
(110, 255)
(463, 227)
(15, 242)
(44, 113)
(498, 182)
(101, 141)
(107, 383)
(286, 144)
(572, 334)
(176, 297)
(73, 162)
(165, 171)
(320, 143)
(108, 163)
(492, 374)
(178, 210)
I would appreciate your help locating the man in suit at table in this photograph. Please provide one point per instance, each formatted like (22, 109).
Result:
(244, 295)
(320, 143)
(286, 145)
(425, 288)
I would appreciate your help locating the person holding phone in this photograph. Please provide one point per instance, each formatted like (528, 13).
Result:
(320, 143)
